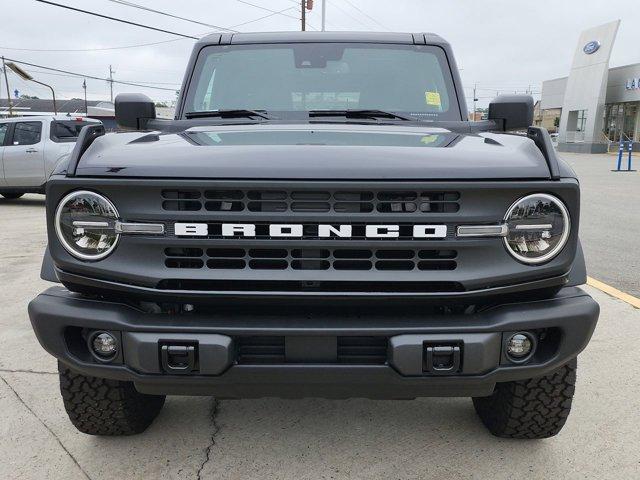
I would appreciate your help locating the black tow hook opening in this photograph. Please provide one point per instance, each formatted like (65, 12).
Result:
(179, 359)
(441, 359)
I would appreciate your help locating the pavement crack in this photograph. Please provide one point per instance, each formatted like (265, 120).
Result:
(57, 439)
(215, 409)
(36, 372)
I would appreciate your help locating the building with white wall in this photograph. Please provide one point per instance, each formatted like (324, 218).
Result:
(597, 104)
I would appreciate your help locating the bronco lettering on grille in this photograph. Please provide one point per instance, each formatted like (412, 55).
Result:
(296, 230)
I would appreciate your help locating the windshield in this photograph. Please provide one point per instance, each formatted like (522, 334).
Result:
(412, 80)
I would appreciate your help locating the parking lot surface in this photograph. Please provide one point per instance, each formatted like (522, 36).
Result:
(322, 439)
(609, 223)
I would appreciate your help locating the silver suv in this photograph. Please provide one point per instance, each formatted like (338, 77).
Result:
(30, 149)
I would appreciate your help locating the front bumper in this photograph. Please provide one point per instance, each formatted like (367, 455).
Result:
(565, 324)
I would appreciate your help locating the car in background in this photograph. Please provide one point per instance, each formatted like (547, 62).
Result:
(30, 149)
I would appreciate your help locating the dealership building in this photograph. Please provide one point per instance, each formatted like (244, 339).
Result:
(595, 105)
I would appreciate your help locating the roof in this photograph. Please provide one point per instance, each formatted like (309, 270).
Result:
(319, 37)
(30, 106)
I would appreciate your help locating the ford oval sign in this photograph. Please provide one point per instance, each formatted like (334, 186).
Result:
(591, 47)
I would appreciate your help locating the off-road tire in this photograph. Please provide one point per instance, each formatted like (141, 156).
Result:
(533, 408)
(99, 406)
(12, 196)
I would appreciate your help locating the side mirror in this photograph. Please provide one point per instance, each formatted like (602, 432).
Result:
(512, 112)
(134, 110)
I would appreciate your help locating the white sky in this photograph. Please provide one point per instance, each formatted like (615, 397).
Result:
(503, 45)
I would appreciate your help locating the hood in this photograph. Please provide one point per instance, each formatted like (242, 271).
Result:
(315, 152)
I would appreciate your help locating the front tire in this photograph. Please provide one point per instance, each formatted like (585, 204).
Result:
(534, 408)
(12, 196)
(100, 406)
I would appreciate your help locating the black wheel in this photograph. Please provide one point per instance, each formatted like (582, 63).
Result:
(11, 196)
(533, 408)
(99, 406)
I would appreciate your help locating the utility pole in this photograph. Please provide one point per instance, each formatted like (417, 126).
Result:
(111, 72)
(324, 14)
(6, 80)
(475, 86)
(303, 5)
(84, 87)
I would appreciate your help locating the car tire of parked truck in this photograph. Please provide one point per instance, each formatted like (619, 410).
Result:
(533, 408)
(12, 196)
(100, 406)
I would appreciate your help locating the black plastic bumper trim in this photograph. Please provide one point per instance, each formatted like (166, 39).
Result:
(572, 312)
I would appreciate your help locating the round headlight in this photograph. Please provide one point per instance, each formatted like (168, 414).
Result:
(85, 225)
(539, 228)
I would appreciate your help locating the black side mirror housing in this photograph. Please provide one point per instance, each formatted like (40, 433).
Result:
(513, 112)
(134, 110)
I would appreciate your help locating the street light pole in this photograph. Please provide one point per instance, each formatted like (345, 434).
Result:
(324, 14)
(25, 76)
(6, 80)
(53, 94)
(303, 4)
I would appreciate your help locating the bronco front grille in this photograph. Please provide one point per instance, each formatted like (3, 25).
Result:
(310, 259)
(308, 201)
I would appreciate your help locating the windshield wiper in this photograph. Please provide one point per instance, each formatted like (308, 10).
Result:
(364, 113)
(239, 113)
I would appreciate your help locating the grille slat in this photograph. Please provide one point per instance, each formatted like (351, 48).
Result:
(310, 259)
(312, 201)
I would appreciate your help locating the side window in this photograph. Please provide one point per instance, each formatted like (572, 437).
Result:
(27, 133)
(3, 132)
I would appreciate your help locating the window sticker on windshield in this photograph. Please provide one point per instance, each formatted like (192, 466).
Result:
(433, 99)
(429, 139)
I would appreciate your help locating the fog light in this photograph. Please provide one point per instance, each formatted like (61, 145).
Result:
(519, 346)
(104, 345)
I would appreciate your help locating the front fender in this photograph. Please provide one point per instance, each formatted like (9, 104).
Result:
(48, 270)
(578, 272)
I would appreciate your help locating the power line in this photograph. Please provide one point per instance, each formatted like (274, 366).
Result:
(122, 82)
(138, 45)
(269, 10)
(69, 50)
(273, 12)
(116, 19)
(366, 14)
(263, 17)
(41, 72)
(348, 14)
(175, 84)
(142, 7)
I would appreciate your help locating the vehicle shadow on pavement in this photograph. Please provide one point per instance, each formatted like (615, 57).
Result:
(27, 202)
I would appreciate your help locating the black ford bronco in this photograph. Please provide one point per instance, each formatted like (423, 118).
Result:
(319, 219)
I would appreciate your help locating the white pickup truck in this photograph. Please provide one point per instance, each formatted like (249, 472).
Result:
(30, 149)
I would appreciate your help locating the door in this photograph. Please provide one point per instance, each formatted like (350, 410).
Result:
(4, 128)
(23, 156)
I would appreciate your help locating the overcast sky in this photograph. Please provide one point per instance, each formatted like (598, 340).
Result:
(502, 45)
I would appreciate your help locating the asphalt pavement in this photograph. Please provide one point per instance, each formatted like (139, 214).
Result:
(327, 439)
